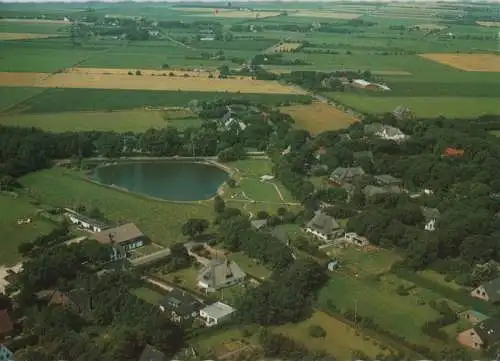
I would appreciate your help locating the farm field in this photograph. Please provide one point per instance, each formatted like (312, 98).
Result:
(340, 340)
(319, 117)
(228, 13)
(423, 107)
(71, 99)
(138, 82)
(13, 234)
(22, 36)
(10, 96)
(119, 121)
(489, 24)
(324, 14)
(283, 47)
(468, 62)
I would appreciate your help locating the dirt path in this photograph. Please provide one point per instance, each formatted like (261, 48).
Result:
(278, 191)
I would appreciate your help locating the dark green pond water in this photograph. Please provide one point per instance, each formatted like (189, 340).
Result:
(174, 181)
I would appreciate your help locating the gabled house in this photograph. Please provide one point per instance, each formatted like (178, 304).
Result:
(84, 222)
(281, 234)
(220, 274)
(6, 354)
(6, 323)
(127, 236)
(482, 335)
(489, 291)
(385, 131)
(216, 313)
(180, 306)
(474, 317)
(324, 227)
(341, 176)
(258, 223)
(431, 216)
(230, 120)
(77, 300)
(152, 354)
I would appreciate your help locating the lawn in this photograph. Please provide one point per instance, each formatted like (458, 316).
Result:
(215, 342)
(340, 340)
(249, 266)
(160, 220)
(13, 234)
(258, 191)
(440, 279)
(423, 107)
(118, 121)
(148, 295)
(252, 168)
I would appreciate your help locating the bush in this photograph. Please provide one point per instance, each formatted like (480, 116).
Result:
(317, 331)
(138, 72)
(130, 73)
(165, 66)
(171, 74)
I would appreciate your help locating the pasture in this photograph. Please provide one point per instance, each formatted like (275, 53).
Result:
(11, 96)
(13, 234)
(468, 62)
(340, 340)
(139, 82)
(489, 24)
(318, 117)
(227, 13)
(324, 14)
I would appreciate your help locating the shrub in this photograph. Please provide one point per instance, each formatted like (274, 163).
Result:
(165, 66)
(317, 331)
(130, 73)
(171, 74)
(138, 72)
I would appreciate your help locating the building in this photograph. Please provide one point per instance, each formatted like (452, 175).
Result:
(356, 239)
(127, 236)
(453, 152)
(333, 265)
(371, 191)
(219, 274)
(387, 180)
(281, 234)
(6, 354)
(216, 314)
(77, 300)
(489, 291)
(324, 227)
(6, 323)
(151, 354)
(180, 306)
(258, 223)
(385, 132)
(431, 216)
(482, 335)
(341, 176)
(474, 317)
(84, 222)
(403, 113)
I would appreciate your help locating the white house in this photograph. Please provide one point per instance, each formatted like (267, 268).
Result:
(265, 178)
(385, 131)
(220, 274)
(431, 216)
(84, 222)
(216, 313)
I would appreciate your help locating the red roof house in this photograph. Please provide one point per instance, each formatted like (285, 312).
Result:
(453, 152)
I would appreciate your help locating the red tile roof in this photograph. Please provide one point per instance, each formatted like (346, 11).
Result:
(454, 152)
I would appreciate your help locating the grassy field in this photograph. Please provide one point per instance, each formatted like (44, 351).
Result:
(423, 107)
(148, 295)
(10, 96)
(340, 340)
(249, 266)
(161, 221)
(70, 100)
(13, 233)
(119, 121)
(258, 191)
(318, 117)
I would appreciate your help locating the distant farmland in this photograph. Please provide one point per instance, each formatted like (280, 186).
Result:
(468, 62)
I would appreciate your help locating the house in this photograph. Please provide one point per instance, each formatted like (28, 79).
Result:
(453, 152)
(482, 335)
(323, 226)
(371, 191)
(341, 176)
(117, 253)
(230, 120)
(220, 274)
(403, 113)
(180, 306)
(281, 234)
(216, 314)
(431, 216)
(385, 131)
(474, 317)
(151, 354)
(266, 178)
(76, 300)
(84, 222)
(127, 236)
(360, 83)
(6, 354)
(489, 291)
(6, 323)
(356, 239)
(387, 180)
(319, 153)
(258, 223)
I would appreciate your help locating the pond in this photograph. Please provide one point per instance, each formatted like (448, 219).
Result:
(173, 181)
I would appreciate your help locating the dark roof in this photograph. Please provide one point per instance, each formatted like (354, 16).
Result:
(258, 223)
(430, 213)
(492, 288)
(151, 354)
(281, 234)
(343, 174)
(387, 179)
(323, 223)
(6, 324)
(121, 234)
(489, 331)
(182, 303)
(76, 300)
(370, 191)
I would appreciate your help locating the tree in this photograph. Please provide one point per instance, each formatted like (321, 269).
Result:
(194, 226)
(219, 204)
(179, 257)
(317, 331)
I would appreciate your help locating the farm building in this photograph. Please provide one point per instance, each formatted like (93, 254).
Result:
(474, 317)
(84, 222)
(220, 274)
(385, 131)
(216, 313)
(180, 306)
(258, 223)
(333, 265)
(453, 152)
(127, 236)
(323, 226)
(356, 239)
(403, 113)
(489, 291)
(341, 176)
(363, 84)
(482, 336)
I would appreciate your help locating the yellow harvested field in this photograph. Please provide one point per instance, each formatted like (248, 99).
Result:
(22, 36)
(144, 72)
(489, 24)
(120, 81)
(226, 13)
(468, 62)
(34, 21)
(318, 117)
(325, 14)
(283, 47)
